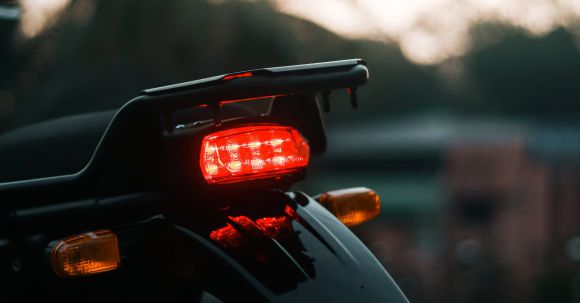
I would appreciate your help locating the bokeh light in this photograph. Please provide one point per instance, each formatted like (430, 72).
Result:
(39, 14)
(432, 31)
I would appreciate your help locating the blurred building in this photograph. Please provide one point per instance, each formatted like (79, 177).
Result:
(477, 209)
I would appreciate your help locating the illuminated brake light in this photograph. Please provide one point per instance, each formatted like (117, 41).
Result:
(252, 152)
(86, 254)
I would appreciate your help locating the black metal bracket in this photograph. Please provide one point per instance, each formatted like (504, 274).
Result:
(326, 101)
(216, 107)
(353, 97)
(133, 141)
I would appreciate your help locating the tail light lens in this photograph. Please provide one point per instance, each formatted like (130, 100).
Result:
(252, 152)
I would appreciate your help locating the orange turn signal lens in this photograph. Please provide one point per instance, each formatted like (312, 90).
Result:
(252, 152)
(86, 254)
(352, 206)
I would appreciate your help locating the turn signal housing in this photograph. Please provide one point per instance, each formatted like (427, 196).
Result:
(352, 206)
(252, 152)
(86, 254)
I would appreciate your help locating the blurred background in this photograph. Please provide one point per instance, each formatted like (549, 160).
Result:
(468, 127)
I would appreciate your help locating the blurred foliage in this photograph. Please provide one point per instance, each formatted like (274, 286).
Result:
(99, 56)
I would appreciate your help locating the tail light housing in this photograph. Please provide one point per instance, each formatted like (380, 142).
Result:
(252, 152)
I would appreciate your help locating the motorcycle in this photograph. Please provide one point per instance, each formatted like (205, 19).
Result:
(186, 197)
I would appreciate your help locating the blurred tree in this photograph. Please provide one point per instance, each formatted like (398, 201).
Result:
(100, 54)
(527, 75)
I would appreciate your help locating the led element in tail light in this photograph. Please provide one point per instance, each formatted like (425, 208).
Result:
(352, 206)
(86, 254)
(252, 152)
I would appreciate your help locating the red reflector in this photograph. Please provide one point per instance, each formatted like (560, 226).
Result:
(228, 236)
(274, 227)
(252, 152)
(242, 75)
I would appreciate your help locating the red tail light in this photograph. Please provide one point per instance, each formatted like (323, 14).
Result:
(252, 152)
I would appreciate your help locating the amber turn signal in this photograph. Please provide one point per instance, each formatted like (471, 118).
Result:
(352, 206)
(86, 254)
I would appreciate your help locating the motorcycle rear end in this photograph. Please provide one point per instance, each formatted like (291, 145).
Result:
(186, 197)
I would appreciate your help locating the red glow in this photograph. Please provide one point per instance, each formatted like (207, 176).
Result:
(252, 152)
(227, 236)
(241, 75)
(230, 237)
(274, 226)
(248, 225)
(248, 99)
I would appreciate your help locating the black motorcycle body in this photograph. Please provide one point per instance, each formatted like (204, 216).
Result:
(143, 182)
